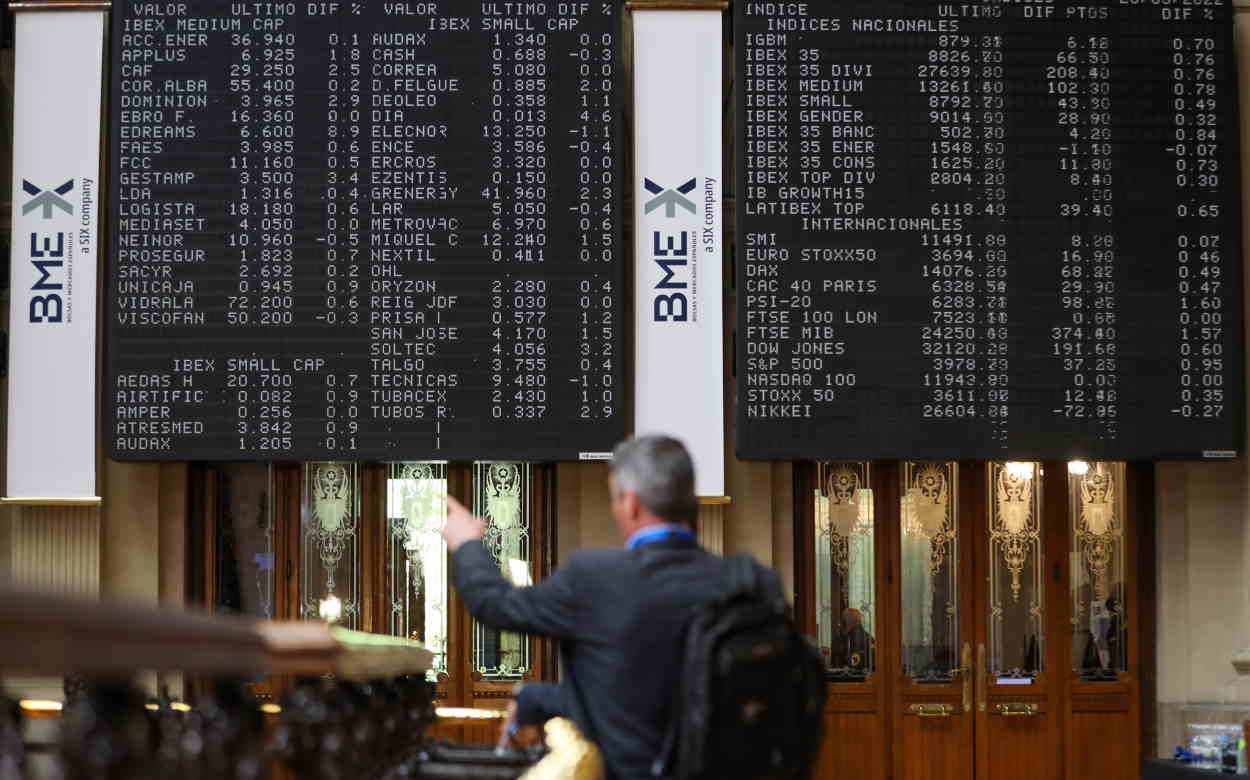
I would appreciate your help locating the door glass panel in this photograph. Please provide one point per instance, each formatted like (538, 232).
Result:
(930, 571)
(244, 543)
(1096, 506)
(330, 544)
(1016, 609)
(416, 508)
(845, 571)
(502, 494)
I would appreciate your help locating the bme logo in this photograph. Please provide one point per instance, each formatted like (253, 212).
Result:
(670, 199)
(46, 258)
(48, 199)
(671, 251)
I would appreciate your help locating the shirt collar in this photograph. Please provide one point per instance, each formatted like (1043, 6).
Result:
(657, 531)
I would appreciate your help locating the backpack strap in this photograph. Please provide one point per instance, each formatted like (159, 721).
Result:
(660, 767)
(742, 577)
(747, 578)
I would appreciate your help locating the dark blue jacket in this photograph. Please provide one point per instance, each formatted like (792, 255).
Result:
(620, 616)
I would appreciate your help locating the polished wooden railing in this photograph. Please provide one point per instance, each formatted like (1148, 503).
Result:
(48, 634)
(359, 707)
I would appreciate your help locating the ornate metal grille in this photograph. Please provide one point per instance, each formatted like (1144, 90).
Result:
(330, 515)
(503, 495)
(845, 570)
(1017, 617)
(1096, 506)
(416, 508)
(930, 570)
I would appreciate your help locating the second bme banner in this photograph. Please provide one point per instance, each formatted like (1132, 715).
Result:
(678, 322)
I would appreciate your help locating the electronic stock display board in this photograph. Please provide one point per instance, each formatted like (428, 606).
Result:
(988, 230)
(385, 230)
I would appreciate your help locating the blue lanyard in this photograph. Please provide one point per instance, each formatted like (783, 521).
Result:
(660, 535)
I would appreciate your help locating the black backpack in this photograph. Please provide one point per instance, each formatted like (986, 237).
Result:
(753, 690)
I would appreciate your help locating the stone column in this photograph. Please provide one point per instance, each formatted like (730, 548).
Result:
(710, 526)
(143, 545)
(50, 549)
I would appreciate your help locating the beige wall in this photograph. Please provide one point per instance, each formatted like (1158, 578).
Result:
(582, 508)
(1201, 568)
(144, 520)
(1202, 573)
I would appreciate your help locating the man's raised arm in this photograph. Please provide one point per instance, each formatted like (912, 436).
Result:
(548, 608)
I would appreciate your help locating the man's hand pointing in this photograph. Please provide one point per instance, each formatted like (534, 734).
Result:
(462, 525)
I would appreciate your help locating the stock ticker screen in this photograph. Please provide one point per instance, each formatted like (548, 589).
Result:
(386, 230)
(988, 230)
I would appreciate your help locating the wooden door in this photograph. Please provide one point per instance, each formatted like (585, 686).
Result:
(843, 565)
(980, 611)
(933, 540)
(1019, 605)
(1111, 549)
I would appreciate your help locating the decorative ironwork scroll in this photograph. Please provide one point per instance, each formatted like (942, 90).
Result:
(502, 495)
(1016, 587)
(1015, 530)
(330, 519)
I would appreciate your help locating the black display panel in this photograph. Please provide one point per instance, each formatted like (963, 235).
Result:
(369, 230)
(988, 230)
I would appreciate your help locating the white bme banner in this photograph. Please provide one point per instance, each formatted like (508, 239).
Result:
(679, 380)
(52, 312)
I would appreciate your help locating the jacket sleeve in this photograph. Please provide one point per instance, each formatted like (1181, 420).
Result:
(538, 703)
(549, 608)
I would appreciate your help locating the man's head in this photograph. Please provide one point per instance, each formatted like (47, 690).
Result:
(652, 482)
(851, 619)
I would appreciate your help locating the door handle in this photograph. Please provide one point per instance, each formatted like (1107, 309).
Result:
(1017, 709)
(966, 671)
(932, 710)
(981, 675)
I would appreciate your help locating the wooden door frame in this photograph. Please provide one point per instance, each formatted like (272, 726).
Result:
(202, 588)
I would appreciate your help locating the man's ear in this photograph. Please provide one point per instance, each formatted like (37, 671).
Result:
(630, 504)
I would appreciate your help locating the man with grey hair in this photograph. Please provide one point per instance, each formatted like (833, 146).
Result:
(620, 614)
